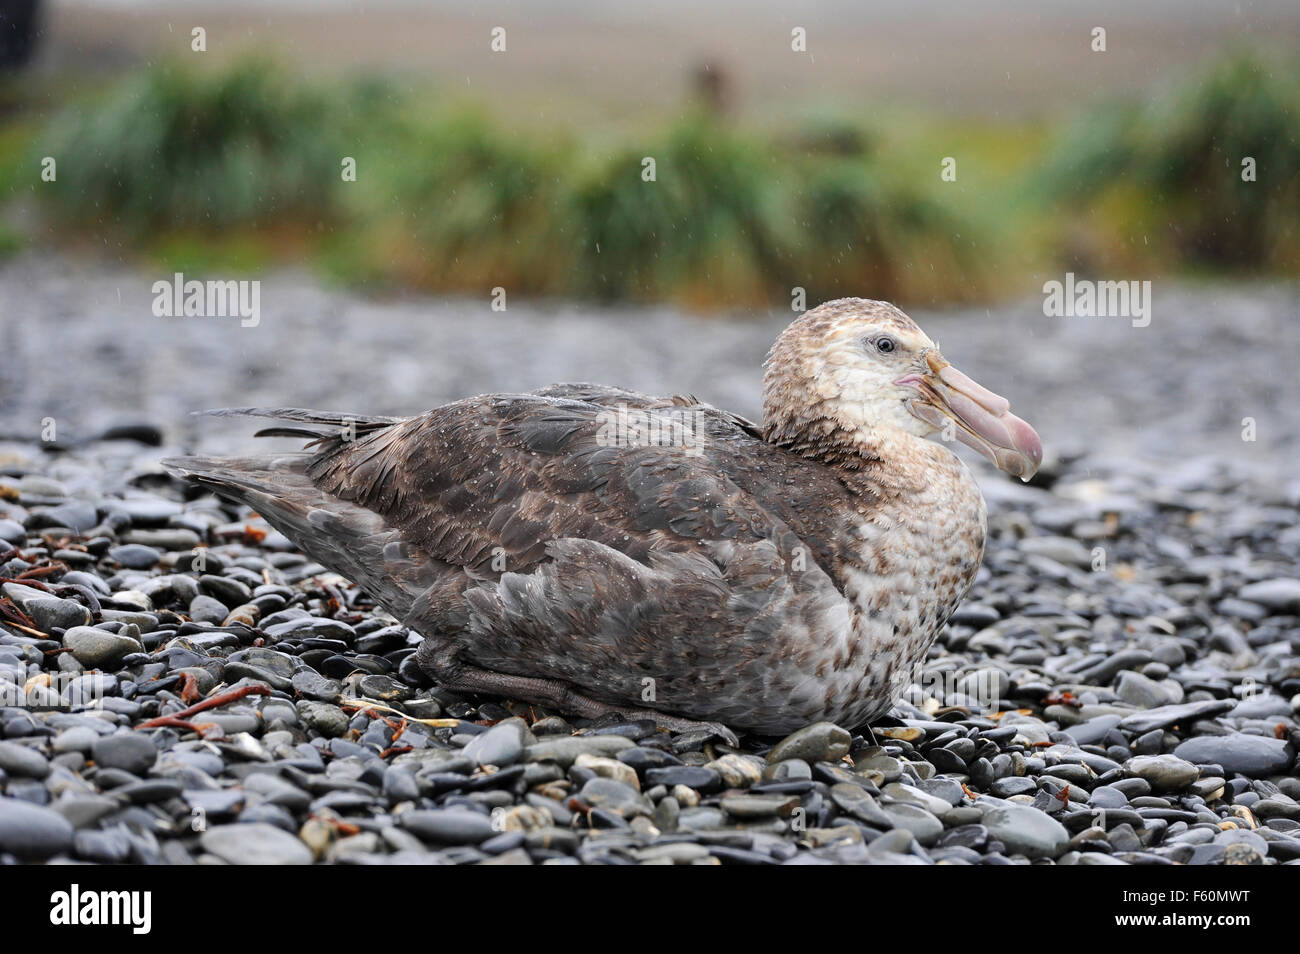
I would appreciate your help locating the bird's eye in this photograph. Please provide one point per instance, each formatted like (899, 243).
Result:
(886, 345)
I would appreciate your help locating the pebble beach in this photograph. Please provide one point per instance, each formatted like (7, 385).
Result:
(181, 686)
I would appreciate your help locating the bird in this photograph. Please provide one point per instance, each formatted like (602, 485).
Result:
(600, 552)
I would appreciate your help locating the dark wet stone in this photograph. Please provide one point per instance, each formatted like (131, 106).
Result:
(385, 689)
(105, 847)
(965, 836)
(1165, 773)
(820, 742)
(127, 751)
(135, 556)
(501, 745)
(1251, 755)
(564, 751)
(704, 780)
(31, 831)
(1280, 594)
(312, 685)
(1024, 830)
(97, 648)
(1182, 714)
(23, 760)
(205, 609)
(274, 668)
(49, 614)
(453, 826)
(255, 844)
(1013, 785)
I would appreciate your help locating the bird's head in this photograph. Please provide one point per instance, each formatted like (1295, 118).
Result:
(848, 372)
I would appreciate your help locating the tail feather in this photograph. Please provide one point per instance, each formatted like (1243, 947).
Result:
(305, 415)
(343, 536)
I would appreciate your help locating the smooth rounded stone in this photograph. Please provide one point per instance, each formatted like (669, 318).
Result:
(131, 600)
(701, 818)
(77, 738)
(695, 777)
(947, 790)
(1279, 594)
(205, 609)
(1241, 609)
(255, 843)
(166, 538)
(1182, 714)
(278, 791)
(501, 745)
(977, 615)
(230, 592)
(622, 799)
(1241, 836)
(746, 807)
(84, 810)
(312, 685)
(902, 792)
(1107, 796)
(384, 689)
(1263, 706)
(322, 717)
(128, 751)
(819, 742)
(1023, 829)
(921, 823)
(1165, 773)
(673, 853)
(1013, 785)
(12, 532)
(147, 511)
(1138, 690)
(75, 515)
(1109, 667)
(973, 836)
(608, 768)
(274, 668)
(232, 723)
(1210, 788)
(23, 760)
(98, 648)
(564, 751)
(1253, 756)
(452, 826)
(791, 770)
(986, 686)
(1132, 787)
(91, 689)
(855, 801)
(1063, 550)
(145, 622)
(551, 725)
(135, 556)
(105, 848)
(303, 627)
(1276, 806)
(51, 613)
(889, 768)
(737, 771)
(32, 831)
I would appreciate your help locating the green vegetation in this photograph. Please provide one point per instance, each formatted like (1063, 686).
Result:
(239, 168)
(170, 148)
(1174, 176)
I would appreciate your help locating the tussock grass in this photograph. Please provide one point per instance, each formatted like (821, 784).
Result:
(1162, 182)
(225, 169)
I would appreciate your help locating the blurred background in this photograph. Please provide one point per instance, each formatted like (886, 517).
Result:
(793, 149)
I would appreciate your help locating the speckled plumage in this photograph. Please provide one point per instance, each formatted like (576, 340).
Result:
(761, 577)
